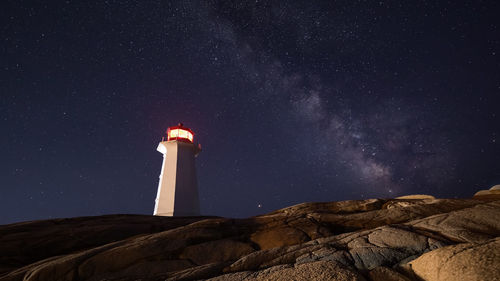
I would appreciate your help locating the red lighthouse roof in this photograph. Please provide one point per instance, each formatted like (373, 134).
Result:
(180, 133)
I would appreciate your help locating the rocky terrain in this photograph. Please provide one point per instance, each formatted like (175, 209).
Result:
(407, 238)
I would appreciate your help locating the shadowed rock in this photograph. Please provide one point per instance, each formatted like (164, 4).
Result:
(28, 242)
(383, 273)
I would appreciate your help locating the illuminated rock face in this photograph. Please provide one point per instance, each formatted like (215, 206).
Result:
(177, 190)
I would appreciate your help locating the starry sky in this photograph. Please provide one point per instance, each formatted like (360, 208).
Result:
(292, 101)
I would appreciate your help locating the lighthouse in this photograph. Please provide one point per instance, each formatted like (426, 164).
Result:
(178, 189)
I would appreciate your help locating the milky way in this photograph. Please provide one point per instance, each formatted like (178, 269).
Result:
(391, 143)
(292, 101)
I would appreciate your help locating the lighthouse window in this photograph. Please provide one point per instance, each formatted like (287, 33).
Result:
(179, 133)
(183, 134)
(174, 133)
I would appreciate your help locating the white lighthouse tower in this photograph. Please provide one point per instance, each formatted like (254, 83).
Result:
(177, 190)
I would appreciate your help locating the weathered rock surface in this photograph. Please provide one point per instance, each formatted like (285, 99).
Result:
(416, 196)
(412, 238)
(467, 261)
(492, 193)
(383, 273)
(318, 270)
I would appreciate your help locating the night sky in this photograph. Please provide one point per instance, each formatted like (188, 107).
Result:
(292, 101)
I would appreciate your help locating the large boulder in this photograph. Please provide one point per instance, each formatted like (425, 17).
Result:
(468, 261)
(492, 193)
(474, 224)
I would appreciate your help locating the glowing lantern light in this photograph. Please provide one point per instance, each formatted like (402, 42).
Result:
(180, 133)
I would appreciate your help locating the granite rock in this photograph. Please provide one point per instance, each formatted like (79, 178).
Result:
(410, 238)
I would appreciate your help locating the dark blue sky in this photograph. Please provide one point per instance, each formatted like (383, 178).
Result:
(292, 101)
